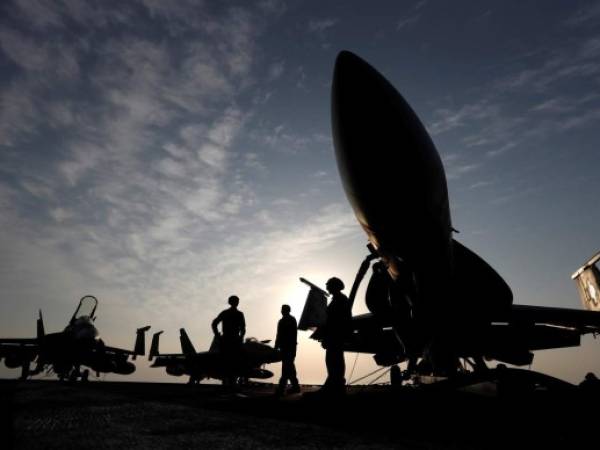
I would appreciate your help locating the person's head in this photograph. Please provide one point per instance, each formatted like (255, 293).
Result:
(233, 301)
(334, 285)
(590, 376)
(285, 310)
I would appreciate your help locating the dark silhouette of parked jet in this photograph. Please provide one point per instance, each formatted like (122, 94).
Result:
(65, 352)
(214, 363)
(433, 302)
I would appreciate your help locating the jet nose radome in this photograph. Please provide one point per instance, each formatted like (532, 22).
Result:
(354, 82)
(356, 100)
(348, 64)
(390, 169)
(351, 72)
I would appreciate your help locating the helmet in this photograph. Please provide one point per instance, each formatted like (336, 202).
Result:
(335, 284)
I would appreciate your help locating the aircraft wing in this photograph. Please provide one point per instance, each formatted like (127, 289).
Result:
(203, 359)
(510, 339)
(207, 357)
(120, 351)
(167, 359)
(171, 355)
(580, 320)
(19, 347)
(16, 352)
(529, 328)
(18, 341)
(139, 348)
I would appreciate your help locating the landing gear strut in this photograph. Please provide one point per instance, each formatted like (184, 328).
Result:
(24, 371)
(396, 376)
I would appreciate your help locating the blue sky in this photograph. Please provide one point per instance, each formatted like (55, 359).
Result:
(163, 157)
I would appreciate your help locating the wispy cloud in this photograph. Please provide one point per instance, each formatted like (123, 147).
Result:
(407, 22)
(531, 105)
(140, 189)
(321, 25)
(320, 28)
(283, 139)
(449, 119)
(18, 112)
(276, 71)
(574, 61)
(41, 59)
(586, 118)
(584, 15)
(456, 171)
(554, 105)
(457, 165)
(144, 169)
(480, 184)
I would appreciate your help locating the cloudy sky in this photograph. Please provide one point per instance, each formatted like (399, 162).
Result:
(164, 157)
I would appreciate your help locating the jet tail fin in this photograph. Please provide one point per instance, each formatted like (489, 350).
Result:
(314, 313)
(40, 326)
(186, 345)
(154, 351)
(587, 278)
(140, 341)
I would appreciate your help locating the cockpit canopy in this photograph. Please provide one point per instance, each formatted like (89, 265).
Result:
(86, 309)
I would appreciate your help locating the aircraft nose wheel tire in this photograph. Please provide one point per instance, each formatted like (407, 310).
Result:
(395, 376)
(85, 375)
(74, 375)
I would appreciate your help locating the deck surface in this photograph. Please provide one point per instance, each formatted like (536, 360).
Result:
(107, 415)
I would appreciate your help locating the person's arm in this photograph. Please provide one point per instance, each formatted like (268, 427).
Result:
(243, 327)
(215, 323)
(295, 331)
(278, 337)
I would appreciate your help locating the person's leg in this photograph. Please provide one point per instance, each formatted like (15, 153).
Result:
(228, 352)
(285, 370)
(339, 368)
(292, 375)
(294, 378)
(330, 364)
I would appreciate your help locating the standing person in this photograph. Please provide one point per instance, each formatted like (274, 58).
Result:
(286, 342)
(337, 329)
(590, 383)
(233, 325)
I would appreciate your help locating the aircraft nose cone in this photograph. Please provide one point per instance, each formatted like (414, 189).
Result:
(348, 63)
(352, 79)
(356, 100)
(390, 169)
(369, 116)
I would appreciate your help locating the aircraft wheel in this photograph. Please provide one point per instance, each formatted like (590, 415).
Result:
(395, 376)
(73, 376)
(85, 375)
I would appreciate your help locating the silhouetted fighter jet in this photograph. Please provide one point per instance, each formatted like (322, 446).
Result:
(431, 299)
(212, 363)
(65, 352)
